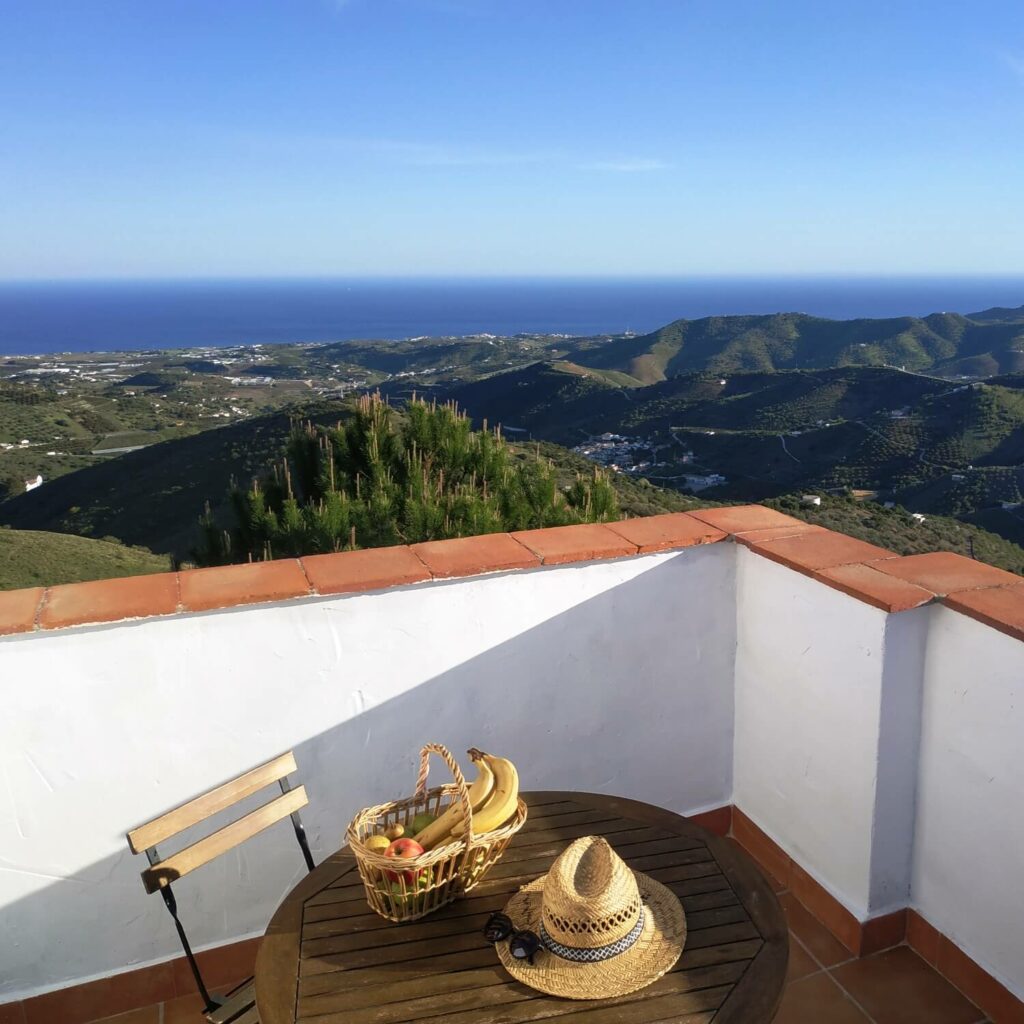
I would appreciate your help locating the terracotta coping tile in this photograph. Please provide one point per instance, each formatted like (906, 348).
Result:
(18, 610)
(469, 556)
(797, 529)
(743, 518)
(944, 572)
(226, 585)
(674, 530)
(824, 549)
(1001, 608)
(131, 597)
(582, 543)
(866, 583)
(370, 569)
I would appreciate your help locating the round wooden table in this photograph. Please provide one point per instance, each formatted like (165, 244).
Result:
(328, 958)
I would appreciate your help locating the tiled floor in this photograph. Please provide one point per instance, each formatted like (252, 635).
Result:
(894, 987)
(824, 986)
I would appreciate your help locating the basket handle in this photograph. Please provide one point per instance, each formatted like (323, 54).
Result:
(460, 782)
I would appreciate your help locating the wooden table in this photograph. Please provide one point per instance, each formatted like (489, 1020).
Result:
(327, 958)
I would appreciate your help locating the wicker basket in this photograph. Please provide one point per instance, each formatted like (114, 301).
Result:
(441, 875)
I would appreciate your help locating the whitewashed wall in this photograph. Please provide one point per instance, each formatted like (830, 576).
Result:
(817, 672)
(614, 676)
(969, 850)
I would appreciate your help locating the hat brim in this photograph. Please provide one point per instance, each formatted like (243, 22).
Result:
(653, 954)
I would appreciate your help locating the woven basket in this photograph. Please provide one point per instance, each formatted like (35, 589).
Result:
(441, 875)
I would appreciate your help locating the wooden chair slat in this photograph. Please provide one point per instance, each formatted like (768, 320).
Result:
(199, 853)
(243, 999)
(202, 807)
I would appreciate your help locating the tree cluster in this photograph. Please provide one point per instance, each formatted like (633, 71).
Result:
(382, 477)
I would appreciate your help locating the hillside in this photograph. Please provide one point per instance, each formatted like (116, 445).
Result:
(32, 558)
(154, 496)
(933, 445)
(999, 314)
(946, 344)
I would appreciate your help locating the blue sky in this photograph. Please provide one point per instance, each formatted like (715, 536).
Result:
(562, 137)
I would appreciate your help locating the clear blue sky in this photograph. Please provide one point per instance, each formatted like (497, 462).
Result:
(389, 137)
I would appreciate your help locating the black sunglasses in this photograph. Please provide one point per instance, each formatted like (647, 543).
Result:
(522, 945)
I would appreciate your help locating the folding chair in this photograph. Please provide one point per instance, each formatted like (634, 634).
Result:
(237, 1006)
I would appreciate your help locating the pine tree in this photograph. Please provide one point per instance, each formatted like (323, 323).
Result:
(380, 478)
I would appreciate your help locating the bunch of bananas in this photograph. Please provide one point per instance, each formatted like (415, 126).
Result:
(493, 795)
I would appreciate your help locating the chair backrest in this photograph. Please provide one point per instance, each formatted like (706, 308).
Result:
(164, 870)
(145, 838)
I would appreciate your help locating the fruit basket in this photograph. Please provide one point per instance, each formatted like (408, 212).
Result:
(403, 884)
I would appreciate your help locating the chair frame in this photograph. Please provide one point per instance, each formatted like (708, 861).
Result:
(161, 871)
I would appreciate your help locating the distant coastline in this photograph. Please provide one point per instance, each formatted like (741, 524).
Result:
(44, 317)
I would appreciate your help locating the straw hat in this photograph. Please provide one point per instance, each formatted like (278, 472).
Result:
(605, 930)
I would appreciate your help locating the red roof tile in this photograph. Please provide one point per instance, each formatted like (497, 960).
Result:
(945, 572)
(132, 597)
(581, 543)
(675, 530)
(1001, 608)
(868, 584)
(470, 556)
(371, 569)
(18, 610)
(229, 585)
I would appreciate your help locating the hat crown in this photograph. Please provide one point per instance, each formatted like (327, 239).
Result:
(590, 896)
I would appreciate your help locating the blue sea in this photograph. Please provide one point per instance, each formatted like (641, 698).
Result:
(76, 316)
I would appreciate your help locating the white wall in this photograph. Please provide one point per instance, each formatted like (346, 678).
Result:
(969, 849)
(614, 676)
(814, 669)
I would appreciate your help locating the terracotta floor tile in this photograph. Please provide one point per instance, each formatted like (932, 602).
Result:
(818, 1000)
(147, 1015)
(801, 963)
(820, 942)
(898, 987)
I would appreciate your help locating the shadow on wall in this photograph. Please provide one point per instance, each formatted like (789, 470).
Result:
(628, 693)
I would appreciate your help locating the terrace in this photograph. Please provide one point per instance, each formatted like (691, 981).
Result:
(853, 718)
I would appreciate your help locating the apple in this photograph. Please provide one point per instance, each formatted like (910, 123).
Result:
(403, 849)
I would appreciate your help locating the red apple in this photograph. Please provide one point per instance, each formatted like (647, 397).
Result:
(403, 848)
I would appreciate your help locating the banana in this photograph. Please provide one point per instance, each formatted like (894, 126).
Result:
(501, 804)
(448, 822)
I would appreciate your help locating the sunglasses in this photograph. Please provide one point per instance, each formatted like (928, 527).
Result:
(522, 945)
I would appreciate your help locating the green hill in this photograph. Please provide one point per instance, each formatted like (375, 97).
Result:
(154, 496)
(33, 558)
(933, 445)
(946, 344)
(999, 314)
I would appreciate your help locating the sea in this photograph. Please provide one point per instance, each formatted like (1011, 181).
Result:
(49, 317)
